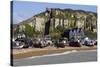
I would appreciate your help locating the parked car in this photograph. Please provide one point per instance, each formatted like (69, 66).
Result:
(74, 43)
(95, 42)
(61, 42)
(88, 42)
(22, 43)
(39, 43)
(48, 40)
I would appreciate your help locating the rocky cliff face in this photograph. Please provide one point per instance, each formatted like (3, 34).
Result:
(66, 18)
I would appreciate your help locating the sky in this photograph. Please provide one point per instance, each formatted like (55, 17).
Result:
(23, 10)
